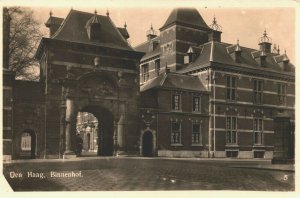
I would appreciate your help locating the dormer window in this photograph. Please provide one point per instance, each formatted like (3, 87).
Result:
(192, 54)
(153, 45)
(263, 57)
(93, 27)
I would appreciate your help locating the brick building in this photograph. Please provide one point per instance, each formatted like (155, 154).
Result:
(182, 93)
(244, 89)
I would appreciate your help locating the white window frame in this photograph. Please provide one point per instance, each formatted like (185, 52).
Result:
(199, 104)
(199, 142)
(258, 91)
(173, 103)
(281, 93)
(145, 72)
(175, 143)
(231, 130)
(26, 140)
(258, 128)
(231, 87)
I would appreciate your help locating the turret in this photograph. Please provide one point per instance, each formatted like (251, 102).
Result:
(53, 23)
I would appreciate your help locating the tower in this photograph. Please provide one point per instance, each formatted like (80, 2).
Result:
(183, 28)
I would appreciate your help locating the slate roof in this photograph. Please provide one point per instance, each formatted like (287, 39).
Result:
(54, 20)
(73, 29)
(144, 47)
(185, 16)
(174, 80)
(124, 32)
(219, 52)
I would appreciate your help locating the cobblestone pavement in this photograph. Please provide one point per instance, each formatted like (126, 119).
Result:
(129, 174)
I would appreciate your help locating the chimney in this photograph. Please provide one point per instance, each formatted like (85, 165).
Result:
(216, 31)
(285, 62)
(53, 23)
(238, 52)
(214, 36)
(265, 43)
(167, 70)
(151, 33)
(263, 57)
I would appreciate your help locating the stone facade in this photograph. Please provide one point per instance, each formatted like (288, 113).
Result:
(80, 75)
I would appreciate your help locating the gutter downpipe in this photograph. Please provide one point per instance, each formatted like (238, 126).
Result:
(214, 79)
(209, 109)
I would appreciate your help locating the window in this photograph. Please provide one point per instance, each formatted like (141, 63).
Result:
(26, 142)
(196, 134)
(157, 66)
(176, 102)
(175, 134)
(281, 90)
(258, 131)
(168, 49)
(231, 130)
(258, 91)
(232, 154)
(145, 72)
(259, 154)
(231, 88)
(196, 104)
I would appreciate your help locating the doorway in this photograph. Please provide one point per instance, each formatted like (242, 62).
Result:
(28, 145)
(147, 148)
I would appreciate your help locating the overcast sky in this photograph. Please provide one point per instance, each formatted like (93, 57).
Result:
(244, 24)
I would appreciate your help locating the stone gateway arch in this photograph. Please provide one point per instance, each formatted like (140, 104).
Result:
(85, 65)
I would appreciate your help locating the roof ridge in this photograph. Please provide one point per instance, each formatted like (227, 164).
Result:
(141, 44)
(62, 24)
(163, 80)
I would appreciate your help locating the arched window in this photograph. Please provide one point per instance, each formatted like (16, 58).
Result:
(26, 142)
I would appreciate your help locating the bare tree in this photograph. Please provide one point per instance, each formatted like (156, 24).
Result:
(23, 37)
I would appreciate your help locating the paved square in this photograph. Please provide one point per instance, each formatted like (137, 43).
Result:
(129, 174)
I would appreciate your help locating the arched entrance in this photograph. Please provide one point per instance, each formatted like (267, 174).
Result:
(28, 144)
(147, 144)
(102, 131)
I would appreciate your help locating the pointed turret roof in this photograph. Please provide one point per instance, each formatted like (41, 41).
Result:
(185, 16)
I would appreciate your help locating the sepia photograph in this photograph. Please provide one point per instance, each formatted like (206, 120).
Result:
(177, 97)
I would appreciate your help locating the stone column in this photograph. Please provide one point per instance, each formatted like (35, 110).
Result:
(115, 138)
(62, 127)
(70, 111)
(121, 130)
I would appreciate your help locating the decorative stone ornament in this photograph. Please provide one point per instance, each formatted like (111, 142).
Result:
(97, 61)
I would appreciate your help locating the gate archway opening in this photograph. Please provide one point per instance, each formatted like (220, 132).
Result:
(87, 128)
(95, 126)
(28, 144)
